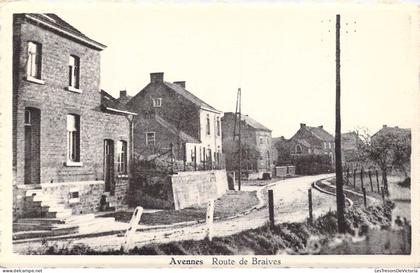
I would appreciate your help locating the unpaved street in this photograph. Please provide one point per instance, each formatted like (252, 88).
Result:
(291, 205)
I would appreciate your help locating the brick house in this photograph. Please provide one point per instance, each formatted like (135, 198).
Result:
(312, 140)
(253, 134)
(169, 114)
(71, 141)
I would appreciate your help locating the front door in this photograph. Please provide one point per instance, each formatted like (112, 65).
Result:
(32, 146)
(109, 165)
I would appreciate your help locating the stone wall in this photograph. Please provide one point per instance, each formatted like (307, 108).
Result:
(282, 171)
(192, 188)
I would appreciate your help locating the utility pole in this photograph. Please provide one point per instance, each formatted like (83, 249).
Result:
(237, 133)
(338, 164)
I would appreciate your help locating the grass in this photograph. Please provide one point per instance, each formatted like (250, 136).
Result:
(289, 238)
(230, 204)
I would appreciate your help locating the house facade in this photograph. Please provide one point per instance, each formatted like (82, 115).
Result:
(350, 142)
(169, 116)
(254, 135)
(71, 141)
(312, 140)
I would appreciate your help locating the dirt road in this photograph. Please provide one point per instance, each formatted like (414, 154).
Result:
(291, 205)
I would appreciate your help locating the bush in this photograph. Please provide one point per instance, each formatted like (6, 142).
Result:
(308, 164)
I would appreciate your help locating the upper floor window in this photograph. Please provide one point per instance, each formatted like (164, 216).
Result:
(261, 140)
(74, 71)
(150, 138)
(218, 126)
(298, 149)
(73, 138)
(34, 60)
(329, 145)
(122, 157)
(325, 145)
(208, 124)
(157, 102)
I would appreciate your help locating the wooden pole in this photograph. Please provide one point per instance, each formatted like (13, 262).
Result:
(209, 219)
(132, 227)
(348, 176)
(195, 158)
(310, 206)
(271, 207)
(370, 179)
(172, 157)
(364, 197)
(338, 165)
(361, 178)
(377, 181)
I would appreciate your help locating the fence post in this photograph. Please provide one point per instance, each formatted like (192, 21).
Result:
(364, 197)
(377, 181)
(172, 157)
(195, 158)
(310, 206)
(354, 178)
(134, 223)
(209, 219)
(348, 176)
(383, 195)
(361, 178)
(385, 181)
(271, 207)
(370, 179)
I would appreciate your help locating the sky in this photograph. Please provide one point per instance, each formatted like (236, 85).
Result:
(281, 56)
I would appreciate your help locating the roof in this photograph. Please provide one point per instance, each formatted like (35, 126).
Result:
(189, 96)
(393, 130)
(53, 21)
(184, 136)
(320, 133)
(303, 142)
(249, 121)
(112, 104)
(253, 123)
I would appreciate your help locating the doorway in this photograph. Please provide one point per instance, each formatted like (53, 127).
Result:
(109, 166)
(32, 161)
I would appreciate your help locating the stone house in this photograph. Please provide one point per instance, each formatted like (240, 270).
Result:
(312, 140)
(253, 134)
(403, 132)
(71, 141)
(170, 116)
(349, 145)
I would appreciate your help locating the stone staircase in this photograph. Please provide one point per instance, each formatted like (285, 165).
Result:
(45, 217)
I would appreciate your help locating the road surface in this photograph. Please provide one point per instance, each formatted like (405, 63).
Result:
(291, 205)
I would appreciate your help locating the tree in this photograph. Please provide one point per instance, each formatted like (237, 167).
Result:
(249, 156)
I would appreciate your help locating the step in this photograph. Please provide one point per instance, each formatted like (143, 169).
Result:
(56, 207)
(45, 233)
(34, 192)
(17, 227)
(40, 221)
(65, 213)
(81, 218)
(96, 225)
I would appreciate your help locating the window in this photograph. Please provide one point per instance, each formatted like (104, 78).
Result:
(157, 102)
(329, 144)
(122, 157)
(28, 117)
(218, 126)
(150, 138)
(325, 145)
(74, 72)
(261, 140)
(208, 125)
(73, 138)
(34, 60)
(298, 149)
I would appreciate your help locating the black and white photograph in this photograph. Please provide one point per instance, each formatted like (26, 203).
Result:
(211, 129)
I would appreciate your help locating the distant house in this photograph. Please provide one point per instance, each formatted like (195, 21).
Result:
(169, 115)
(253, 134)
(312, 140)
(404, 132)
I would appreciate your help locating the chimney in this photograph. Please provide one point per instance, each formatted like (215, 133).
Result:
(384, 126)
(156, 77)
(302, 125)
(321, 127)
(180, 83)
(123, 94)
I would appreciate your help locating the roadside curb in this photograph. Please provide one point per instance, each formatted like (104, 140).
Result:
(315, 186)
